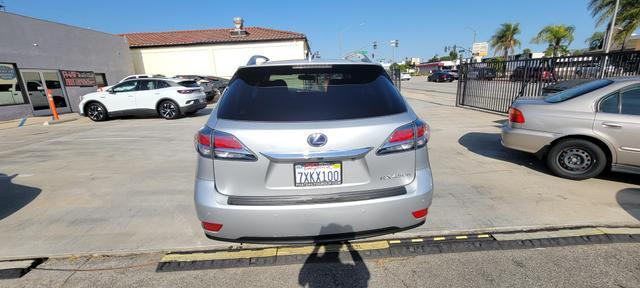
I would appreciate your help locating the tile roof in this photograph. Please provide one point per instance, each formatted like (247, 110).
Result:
(208, 36)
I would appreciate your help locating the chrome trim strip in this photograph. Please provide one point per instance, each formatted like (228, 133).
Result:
(316, 199)
(324, 155)
(630, 149)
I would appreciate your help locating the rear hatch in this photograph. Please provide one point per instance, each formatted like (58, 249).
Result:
(309, 130)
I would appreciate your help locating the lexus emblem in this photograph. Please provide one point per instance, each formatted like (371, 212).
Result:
(317, 139)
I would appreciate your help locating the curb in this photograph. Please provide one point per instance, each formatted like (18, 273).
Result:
(404, 247)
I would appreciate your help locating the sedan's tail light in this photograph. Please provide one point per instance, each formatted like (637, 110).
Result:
(220, 145)
(188, 91)
(516, 116)
(406, 137)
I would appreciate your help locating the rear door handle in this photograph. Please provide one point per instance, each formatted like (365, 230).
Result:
(611, 125)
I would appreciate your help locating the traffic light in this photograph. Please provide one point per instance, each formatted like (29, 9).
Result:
(375, 45)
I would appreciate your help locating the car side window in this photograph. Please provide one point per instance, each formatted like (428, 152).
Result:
(146, 85)
(125, 87)
(162, 84)
(630, 102)
(610, 104)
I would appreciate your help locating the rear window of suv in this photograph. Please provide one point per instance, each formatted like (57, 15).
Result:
(310, 93)
(577, 91)
(192, 84)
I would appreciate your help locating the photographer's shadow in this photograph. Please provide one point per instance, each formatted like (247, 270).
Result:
(325, 266)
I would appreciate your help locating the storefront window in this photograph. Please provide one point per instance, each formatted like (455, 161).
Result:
(101, 80)
(10, 93)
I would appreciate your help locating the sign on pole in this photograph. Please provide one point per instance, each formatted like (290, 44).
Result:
(480, 49)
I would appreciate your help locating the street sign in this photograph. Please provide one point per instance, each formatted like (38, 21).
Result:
(480, 49)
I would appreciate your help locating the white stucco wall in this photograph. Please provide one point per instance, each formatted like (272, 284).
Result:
(213, 59)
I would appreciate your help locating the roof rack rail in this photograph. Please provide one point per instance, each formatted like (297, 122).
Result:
(254, 60)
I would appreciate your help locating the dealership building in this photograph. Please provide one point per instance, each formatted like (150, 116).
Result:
(39, 57)
(216, 52)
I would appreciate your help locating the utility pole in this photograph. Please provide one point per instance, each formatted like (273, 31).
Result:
(375, 46)
(607, 44)
(394, 44)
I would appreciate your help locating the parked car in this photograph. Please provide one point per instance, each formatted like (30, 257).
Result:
(315, 150)
(454, 73)
(440, 76)
(169, 98)
(564, 85)
(580, 131)
(218, 82)
(482, 73)
(593, 70)
(207, 86)
(405, 76)
(140, 76)
(532, 74)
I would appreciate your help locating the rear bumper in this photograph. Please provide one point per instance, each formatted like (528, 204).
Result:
(193, 107)
(525, 140)
(313, 222)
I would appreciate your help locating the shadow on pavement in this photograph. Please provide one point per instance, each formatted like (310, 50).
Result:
(13, 196)
(488, 145)
(326, 269)
(629, 200)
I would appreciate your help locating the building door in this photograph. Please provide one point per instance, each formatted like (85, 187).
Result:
(37, 83)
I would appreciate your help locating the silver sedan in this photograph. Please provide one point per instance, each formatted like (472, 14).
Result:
(580, 131)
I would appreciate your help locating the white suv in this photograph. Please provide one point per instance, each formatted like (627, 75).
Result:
(169, 98)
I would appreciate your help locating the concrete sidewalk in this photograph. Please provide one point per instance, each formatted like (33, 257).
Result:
(126, 185)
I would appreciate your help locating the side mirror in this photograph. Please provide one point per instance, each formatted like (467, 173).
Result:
(111, 91)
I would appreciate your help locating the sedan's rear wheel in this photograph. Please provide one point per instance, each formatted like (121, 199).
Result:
(96, 112)
(169, 110)
(576, 159)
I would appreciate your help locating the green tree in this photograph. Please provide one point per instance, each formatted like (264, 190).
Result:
(435, 58)
(595, 41)
(453, 54)
(526, 52)
(559, 37)
(628, 19)
(504, 39)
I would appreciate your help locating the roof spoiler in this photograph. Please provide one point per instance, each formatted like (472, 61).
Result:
(254, 60)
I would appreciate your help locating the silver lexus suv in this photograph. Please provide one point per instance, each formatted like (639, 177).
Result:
(307, 151)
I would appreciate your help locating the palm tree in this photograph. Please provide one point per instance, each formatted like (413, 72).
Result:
(628, 19)
(504, 39)
(596, 41)
(559, 38)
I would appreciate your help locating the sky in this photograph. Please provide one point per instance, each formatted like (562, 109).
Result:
(423, 28)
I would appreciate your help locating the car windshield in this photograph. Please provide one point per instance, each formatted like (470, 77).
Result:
(308, 93)
(577, 91)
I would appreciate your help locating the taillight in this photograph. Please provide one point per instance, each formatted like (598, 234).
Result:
(220, 145)
(516, 116)
(406, 137)
(203, 142)
(213, 227)
(420, 213)
(188, 91)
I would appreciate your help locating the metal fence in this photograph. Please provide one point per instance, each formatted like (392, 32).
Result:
(493, 86)
(395, 75)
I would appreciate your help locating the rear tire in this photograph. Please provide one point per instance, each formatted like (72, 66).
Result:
(96, 112)
(576, 159)
(169, 110)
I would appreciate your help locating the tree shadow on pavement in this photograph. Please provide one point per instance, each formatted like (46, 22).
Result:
(324, 267)
(629, 200)
(488, 145)
(14, 197)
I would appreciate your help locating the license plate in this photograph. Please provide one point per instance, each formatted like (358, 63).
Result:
(317, 174)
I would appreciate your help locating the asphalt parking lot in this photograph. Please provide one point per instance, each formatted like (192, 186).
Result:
(125, 185)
